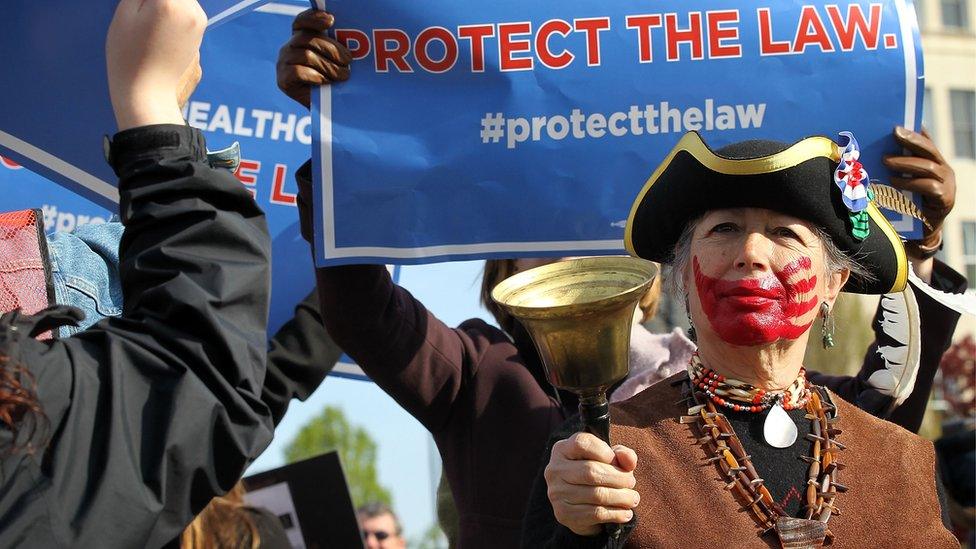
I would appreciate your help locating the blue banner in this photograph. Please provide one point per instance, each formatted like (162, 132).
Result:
(238, 100)
(524, 129)
(56, 106)
(63, 210)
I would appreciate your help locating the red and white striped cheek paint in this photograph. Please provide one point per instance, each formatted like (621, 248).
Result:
(757, 311)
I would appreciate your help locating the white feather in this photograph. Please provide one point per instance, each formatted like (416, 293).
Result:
(900, 321)
(961, 303)
(882, 380)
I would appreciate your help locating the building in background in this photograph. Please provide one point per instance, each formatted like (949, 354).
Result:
(949, 48)
(948, 30)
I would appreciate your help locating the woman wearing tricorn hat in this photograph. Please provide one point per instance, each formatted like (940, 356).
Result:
(469, 385)
(742, 448)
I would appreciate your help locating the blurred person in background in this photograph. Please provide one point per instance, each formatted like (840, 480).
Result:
(956, 448)
(380, 527)
(228, 523)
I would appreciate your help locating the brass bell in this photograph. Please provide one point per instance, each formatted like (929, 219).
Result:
(579, 313)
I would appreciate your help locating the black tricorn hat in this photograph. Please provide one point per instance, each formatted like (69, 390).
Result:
(797, 180)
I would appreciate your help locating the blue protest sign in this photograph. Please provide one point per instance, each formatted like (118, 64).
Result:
(237, 100)
(514, 129)
(55, 92)
(63, 210)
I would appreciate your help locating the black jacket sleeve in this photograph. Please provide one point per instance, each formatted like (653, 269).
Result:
(152, 414)
(301, 355)
(937, 326)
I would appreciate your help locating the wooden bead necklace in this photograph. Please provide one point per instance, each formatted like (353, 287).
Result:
(725, 450)
(723, 391)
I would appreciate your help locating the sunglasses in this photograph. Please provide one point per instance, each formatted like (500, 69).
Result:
(380, 535)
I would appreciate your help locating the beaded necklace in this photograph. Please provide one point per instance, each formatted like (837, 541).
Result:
(725, 450)
(722, 390)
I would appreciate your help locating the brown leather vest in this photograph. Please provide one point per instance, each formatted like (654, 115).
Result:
(890, 472)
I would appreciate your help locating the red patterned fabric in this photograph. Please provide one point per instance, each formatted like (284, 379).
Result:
(23, 277)
(959, 377)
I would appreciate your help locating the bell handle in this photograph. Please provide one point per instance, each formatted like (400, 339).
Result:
(595, 412)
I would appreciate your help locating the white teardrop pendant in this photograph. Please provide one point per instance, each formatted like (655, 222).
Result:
(779, 429)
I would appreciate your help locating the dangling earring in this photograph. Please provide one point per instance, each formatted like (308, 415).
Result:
(827, 328)
(692, 334)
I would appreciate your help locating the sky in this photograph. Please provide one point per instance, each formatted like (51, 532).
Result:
(408, 462)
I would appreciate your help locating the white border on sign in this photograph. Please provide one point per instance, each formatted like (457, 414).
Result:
(232, 11)
(348, 370)
(69, 171)
(906, 14)
(329, 250)
(280, 9)
(911, 68)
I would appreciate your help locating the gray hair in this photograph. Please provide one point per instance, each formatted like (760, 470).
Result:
(834, 258)
(378, 509)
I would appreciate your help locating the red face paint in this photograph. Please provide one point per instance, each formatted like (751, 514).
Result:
(755, 311)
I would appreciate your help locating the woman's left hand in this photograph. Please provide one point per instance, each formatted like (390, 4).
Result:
(931, 176)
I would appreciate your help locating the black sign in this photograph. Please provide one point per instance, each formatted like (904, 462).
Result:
(311, 498)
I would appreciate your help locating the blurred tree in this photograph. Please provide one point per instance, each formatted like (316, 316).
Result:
(852, 335)
(433, 538)
(331, 431)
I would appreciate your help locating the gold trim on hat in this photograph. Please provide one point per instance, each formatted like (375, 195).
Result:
(901, 279)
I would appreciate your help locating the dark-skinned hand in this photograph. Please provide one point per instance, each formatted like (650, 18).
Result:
(310, 57)
(929, 175)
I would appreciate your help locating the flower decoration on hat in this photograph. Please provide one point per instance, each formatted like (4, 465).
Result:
(852, 179)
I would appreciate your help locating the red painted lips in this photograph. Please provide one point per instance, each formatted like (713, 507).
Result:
(755, 311)
(750, 292)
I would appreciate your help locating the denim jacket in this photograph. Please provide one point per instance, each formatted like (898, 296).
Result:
(85, 272)
(85, 262)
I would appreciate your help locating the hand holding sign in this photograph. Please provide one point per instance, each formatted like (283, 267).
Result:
(931, 177)
(550, 117)
(153, 59)
(310, 58)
